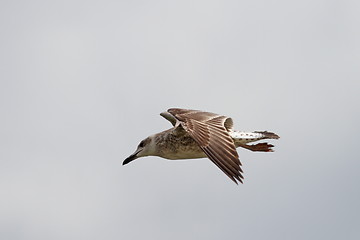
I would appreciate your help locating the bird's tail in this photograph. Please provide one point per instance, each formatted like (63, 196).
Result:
(246, 137)
(268, 135)
(241, 139)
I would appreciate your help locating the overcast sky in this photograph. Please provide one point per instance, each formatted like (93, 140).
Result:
(83, 82)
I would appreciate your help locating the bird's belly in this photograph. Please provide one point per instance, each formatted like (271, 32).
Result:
(185, 155)
(184, 152)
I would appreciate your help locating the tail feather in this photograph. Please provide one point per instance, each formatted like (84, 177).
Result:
(242, 139)
(268, 135)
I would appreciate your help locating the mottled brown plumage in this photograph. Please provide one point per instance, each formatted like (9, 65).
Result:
(209, 131)
(198, 134)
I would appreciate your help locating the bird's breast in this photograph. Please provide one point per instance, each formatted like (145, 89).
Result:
(179, 147)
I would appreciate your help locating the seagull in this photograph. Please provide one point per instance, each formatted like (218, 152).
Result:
(199, 134)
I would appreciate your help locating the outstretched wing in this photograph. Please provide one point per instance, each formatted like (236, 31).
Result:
(210, 131)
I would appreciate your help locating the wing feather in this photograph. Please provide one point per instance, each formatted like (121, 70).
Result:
(210, 131)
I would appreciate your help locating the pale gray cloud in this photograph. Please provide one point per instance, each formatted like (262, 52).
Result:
(82, 82)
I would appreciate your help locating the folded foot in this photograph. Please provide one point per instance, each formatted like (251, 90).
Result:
(260, 147)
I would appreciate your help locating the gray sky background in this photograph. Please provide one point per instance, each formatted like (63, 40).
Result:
(82, 82)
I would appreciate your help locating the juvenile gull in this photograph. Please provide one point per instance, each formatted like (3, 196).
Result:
(198, 134)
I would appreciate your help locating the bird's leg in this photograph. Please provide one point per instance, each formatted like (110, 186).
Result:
(260, 147)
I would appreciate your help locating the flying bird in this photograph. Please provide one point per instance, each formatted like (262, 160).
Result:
(199, 134)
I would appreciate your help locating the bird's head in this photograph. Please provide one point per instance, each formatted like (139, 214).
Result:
(145, 148)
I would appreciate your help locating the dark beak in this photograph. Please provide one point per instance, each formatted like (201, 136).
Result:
(130, 158)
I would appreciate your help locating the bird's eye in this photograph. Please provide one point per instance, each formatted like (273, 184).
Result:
(142, 144)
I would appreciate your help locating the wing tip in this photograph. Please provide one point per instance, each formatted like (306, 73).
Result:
(237, 180)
